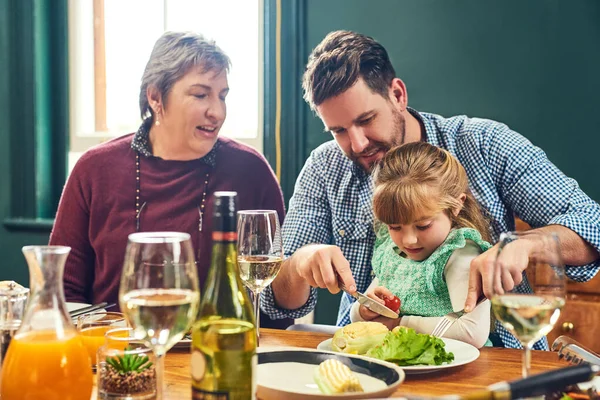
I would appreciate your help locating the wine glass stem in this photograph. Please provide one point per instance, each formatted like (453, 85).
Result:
(160, 371)
(526, 360)
(257, 314)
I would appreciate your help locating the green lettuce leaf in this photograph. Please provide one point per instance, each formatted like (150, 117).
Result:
(404, 346)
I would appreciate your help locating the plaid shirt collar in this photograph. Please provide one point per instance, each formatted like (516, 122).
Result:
(141, 144)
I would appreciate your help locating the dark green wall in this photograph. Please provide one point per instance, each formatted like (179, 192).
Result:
(532, 64)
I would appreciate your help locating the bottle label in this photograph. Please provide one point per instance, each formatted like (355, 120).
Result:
(198, 394)
(198, 365)
(224, 236)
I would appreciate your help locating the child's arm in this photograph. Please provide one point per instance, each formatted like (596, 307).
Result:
(474, 327)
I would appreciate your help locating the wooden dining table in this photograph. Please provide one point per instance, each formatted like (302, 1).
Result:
(493, 365)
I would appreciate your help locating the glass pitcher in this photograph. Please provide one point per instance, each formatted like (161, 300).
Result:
(46, 358)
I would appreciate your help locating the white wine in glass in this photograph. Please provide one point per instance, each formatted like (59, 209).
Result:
(257, 272)
(260, 252)
(530, 316)
(161, 315)
(159, 292)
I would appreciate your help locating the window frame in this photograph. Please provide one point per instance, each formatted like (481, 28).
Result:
(80, 34)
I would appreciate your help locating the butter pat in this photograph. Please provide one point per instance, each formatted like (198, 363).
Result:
(332, 376)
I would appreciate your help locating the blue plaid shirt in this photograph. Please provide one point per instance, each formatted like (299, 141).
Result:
(507, 174)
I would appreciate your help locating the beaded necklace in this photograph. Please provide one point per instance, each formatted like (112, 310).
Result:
(138, 208)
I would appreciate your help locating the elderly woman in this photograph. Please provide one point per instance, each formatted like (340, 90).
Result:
(162, 177)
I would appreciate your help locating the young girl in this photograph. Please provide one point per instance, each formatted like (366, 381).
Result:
(433, 229)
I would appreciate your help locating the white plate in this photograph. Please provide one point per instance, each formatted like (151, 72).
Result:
(183, 344)
(289, 374)
(76, 306)
(464, 353)
(595, 383)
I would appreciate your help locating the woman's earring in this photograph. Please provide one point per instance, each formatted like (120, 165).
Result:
(157, 122)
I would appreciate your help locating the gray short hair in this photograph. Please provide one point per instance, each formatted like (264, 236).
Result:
(173, 55)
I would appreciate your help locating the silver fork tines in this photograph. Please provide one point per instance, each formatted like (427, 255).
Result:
(449, 319)
(446, 322)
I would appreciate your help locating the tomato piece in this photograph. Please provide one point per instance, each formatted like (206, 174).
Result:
(393, 303)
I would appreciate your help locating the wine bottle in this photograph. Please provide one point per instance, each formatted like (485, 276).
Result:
(224, 335)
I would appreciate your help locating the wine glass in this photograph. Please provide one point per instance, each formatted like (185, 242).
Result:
(530, 316)
(260, 252)
(159, 290)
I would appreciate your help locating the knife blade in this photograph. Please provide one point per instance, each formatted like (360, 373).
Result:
(375, 306)
(368, 302)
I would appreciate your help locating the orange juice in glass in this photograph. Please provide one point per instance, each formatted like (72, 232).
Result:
(118, 338)
(93, 327)
(46, 365)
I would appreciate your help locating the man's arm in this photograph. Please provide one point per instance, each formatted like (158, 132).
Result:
(310, 259)
(289, 289)
(574, 250)
(541, 195)
(313, 265)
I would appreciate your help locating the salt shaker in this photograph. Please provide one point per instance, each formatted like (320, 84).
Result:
(13, 299)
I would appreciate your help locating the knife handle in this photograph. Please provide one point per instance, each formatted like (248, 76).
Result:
(552, 381)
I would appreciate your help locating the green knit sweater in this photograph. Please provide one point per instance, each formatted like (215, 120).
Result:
(420, 285)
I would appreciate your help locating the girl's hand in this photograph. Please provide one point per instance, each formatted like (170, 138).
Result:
(383, 296)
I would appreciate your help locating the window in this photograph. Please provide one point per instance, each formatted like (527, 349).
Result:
(110, 42)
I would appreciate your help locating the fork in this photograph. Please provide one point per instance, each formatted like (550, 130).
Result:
(573, 351)
(449, 319)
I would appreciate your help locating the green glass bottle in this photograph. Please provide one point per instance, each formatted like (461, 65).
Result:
(224, 335)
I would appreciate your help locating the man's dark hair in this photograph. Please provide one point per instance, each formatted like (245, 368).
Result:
(337, 63)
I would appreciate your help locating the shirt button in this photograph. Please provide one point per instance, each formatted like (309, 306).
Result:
(342, 232)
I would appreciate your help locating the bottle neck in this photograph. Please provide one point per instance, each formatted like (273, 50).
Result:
(224, 252)
(224, 285)
(46, 309)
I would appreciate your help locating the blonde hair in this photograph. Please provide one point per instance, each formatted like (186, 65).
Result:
(417, 179)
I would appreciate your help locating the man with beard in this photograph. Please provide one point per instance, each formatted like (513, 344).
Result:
(328, 232)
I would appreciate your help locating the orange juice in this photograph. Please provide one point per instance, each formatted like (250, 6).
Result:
(38, 365)
(93, 338)
(118, 338)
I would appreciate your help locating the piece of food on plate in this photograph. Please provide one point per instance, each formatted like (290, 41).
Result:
(332, 377)
(404, 346)
(358, 337)
(574, 392)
